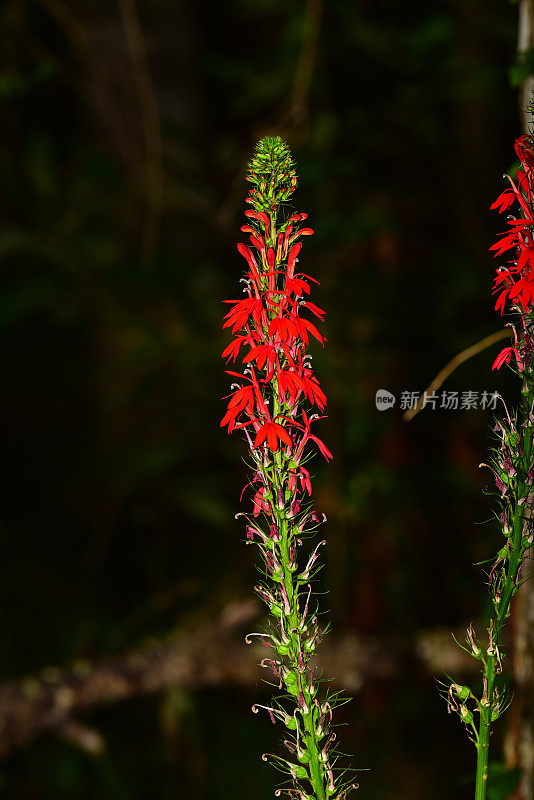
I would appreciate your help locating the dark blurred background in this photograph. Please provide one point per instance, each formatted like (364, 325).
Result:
(126, 128)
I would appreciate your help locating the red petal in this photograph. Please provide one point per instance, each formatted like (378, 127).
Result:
(283, 435)
(272, 440)
(260, 436)
(503, 356)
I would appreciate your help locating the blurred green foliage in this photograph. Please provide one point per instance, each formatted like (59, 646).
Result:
(120, 489)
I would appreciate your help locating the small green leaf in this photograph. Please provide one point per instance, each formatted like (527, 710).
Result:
(502, 780)
(523, 68)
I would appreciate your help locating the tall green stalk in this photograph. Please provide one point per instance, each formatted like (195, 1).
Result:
(512, 465)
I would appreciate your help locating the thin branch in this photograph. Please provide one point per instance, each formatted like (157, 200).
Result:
(211, 655)
(306, 62)
(151, 127)
(293, 111)
(525, 43)
(97, 74)
(453, 364)
(51, 700)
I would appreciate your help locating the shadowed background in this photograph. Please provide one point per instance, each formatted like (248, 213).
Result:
(126, 131)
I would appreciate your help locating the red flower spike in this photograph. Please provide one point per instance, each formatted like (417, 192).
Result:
(518, 275)
(271, 405)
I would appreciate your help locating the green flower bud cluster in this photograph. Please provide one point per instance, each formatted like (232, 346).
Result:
(272, 171)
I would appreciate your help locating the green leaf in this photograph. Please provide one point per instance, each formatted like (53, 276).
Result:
(502, 780)
(523, 68)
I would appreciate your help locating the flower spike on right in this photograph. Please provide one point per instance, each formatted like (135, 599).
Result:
(511, 463)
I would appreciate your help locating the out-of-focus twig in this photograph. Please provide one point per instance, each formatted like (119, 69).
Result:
(52, 700)
(96, 76)
(210, 655)
(453, 364)
(307, 58)
(151, 126)
(293, 112)
(525, 43)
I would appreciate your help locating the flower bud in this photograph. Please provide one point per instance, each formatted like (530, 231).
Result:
(466, 715)
(290, 676)
(461, 692)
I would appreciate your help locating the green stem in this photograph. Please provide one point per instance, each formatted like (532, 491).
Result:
(484, 733)
(316, 768)
(508, 590)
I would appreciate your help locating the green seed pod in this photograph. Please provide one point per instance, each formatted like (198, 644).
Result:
(301, 772)
(466, 715)
(290, 677)
(461, 692)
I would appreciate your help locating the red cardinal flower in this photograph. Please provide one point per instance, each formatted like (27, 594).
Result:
(271, 405)
(515, 282)
(504, 357)
(272, 432)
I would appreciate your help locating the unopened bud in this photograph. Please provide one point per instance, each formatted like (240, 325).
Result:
(461, 692)
(466, 715)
